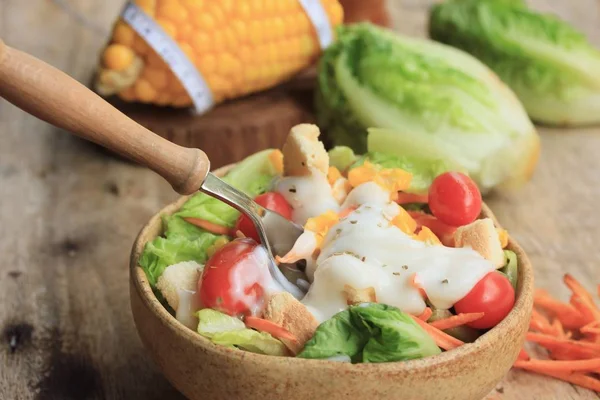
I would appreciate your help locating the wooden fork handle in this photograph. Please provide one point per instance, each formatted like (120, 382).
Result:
(55, 97)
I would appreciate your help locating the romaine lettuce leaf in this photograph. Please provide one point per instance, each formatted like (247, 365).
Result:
(551, 66)
(511, 269)
(183, 241)
(225, 330)
(370, 333)
(423, 170)
(253, 176)
(431, 96)
(341, 157)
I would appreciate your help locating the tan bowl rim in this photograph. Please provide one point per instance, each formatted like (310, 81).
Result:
(523, 298)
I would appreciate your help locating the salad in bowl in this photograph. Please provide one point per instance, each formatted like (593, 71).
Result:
(394, 258)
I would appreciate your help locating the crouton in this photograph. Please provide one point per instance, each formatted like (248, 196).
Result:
(482, 236)
(284, 310)
(357, 296)
(176, 277)
(303, 152)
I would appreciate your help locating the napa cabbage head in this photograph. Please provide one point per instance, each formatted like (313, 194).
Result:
(552, 67)
(429, 98)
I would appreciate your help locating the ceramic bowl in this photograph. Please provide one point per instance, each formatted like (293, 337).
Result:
(202, 370)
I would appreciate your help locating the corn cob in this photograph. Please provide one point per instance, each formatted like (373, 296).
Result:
(239, 47)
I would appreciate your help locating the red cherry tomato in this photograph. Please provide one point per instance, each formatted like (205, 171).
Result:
(492, 295)
(233, 279)
(454, 199)
(271, 201)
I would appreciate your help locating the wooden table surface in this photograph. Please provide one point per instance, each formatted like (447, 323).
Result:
(69, 213)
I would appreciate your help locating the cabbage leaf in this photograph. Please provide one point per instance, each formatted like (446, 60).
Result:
(551, 66)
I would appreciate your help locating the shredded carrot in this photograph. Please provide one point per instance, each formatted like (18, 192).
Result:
(592, 327)
(589, 365)
(426, 314)
(584, 297)
(557, 328)
(414, 282)
(407, 198)
(271, 328)
(547, 340)
(579, 379)
(568, 315)
(442, 339)
(239, 234)
(209, 226)
(523, 355)
(456, 320)
(345, 212)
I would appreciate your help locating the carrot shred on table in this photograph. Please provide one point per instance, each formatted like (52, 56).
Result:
(568, 315)
(456, 320)
(548, 340)
(442, 339)
(577, 378)
(208, 226)
(589, 365)
(426, 314)
(523, 355)
(584, 299)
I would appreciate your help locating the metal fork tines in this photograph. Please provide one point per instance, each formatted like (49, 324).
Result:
(276, 233)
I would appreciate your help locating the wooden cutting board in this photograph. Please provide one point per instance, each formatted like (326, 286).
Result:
(237, 128)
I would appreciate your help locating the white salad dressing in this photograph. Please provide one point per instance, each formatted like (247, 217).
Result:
(366, 193)
(364, 250)
(309, 195)
(189, 304)
(245, 274)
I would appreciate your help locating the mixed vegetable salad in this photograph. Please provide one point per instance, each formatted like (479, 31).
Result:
(396, 263)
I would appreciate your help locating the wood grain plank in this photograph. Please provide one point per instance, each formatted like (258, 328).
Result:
(69, 213)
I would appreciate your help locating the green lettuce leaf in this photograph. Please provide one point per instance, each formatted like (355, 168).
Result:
(370, 333)
(424, 169)
(511, 269)
(253, 176)
(431, 96)
(551, 66)
(183, 241)
(162, 252)
(229, 331)
(211, 322)
(341, 157)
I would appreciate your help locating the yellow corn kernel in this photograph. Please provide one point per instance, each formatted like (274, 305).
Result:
(193, 6)
(147, 5)
(200, 41)
(157, 77)
(184, 32)
(426, 235)
(503, 236)
(404, 222)
(163, 99)
(333, 174)
(117, 57)
(276, 158)
(238, 46)
(123, 34)
(172, 11)
(144, 91)
(168, 26)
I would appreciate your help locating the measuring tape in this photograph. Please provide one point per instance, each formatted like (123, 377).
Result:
(318, 17)
(187, 73)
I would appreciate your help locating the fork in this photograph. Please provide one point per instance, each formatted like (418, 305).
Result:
(54, 97)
